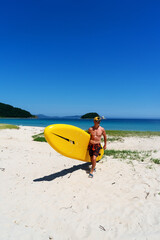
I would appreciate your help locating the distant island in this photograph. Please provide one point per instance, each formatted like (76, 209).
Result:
(8, 111)
(90, 115)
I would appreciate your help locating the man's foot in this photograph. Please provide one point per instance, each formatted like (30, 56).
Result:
(90, 175)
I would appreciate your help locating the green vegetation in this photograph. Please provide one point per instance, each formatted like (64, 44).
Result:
(90, 115)
(132, 155)
(113, 135)
(113, 139)
(39, 137)
(5, 126)
(8, 111)
(118, 133)
(127, 154)
(155, 160)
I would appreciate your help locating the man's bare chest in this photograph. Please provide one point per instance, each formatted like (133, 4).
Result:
(96, 132)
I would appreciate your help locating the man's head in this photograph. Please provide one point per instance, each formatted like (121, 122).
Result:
(97, 119)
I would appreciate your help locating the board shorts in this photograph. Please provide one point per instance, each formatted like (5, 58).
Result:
(94, 149)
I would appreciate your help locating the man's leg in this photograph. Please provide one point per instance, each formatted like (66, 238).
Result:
(93, 161)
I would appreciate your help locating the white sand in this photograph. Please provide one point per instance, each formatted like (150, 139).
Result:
(44, 195)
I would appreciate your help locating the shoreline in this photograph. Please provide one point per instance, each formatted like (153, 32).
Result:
(122, 124)
(45, 195)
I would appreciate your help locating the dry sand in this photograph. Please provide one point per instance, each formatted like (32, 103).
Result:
(44, 195)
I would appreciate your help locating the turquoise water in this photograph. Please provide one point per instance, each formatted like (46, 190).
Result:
(110, 124)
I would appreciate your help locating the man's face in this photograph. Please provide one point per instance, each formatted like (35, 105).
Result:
(97, 123)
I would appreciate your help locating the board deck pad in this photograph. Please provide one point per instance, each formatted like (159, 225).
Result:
(70, 141)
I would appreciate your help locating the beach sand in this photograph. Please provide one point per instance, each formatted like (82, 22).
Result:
(44, 195)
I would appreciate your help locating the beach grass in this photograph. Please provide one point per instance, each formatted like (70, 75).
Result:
(113, 135)
(155, 160)
(113, 139)
(127, 154)
(8, 126)
(39, 137)
(120, 133)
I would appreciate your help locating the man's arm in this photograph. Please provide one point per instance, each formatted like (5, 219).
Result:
(105, 139)
(89, 130)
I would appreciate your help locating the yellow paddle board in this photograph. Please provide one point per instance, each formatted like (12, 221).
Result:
(70, 141)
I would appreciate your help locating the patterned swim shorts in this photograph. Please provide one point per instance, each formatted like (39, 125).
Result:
(94, 149)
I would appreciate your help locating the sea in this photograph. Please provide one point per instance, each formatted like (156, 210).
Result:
(110, 124)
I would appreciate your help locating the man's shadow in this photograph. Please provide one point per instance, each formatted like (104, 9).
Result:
(84, 166)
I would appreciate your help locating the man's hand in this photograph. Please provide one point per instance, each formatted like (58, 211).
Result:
(104, 147)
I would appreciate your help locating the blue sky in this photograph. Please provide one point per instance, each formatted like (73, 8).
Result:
(72, 57)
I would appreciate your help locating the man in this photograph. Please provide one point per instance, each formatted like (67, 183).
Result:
(94, 146)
